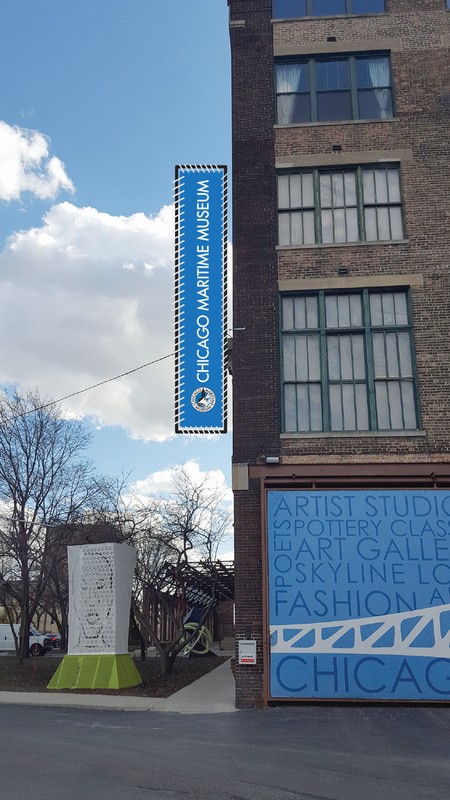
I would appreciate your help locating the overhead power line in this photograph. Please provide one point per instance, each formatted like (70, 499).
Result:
(88, 388)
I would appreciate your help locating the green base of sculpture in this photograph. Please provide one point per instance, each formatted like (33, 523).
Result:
(96, 672)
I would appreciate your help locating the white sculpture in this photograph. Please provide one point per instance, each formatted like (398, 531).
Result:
(100, 582)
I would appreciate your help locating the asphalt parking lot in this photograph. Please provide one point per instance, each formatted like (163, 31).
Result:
(290, 753)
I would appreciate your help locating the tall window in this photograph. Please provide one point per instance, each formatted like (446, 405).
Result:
(327, 89)
(344, 205)
(347, 362)
(284, 9)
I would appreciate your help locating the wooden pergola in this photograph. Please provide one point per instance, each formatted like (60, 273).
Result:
(203, 584)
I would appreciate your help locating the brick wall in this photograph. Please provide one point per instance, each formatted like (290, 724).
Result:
(248, 591)
(420, 68)
(255, 308)
(419, 34)
(256, 402)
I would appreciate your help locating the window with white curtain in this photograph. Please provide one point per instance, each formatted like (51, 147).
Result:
(293, 93)
(334, 88)
(347, 362)
(352, 204)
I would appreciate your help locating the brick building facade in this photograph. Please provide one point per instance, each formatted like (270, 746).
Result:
(341, 363)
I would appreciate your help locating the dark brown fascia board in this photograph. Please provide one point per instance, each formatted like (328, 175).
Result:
(428, 473)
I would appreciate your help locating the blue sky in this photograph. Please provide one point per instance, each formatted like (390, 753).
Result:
(98, 102)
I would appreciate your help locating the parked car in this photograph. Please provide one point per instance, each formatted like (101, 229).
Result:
(39, 642)
(38, 645)
(53, 639)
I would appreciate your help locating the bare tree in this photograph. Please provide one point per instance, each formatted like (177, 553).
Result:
(183, 527)
(44, 488)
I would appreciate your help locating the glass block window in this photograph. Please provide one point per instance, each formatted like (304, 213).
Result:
(347, 205)
(288, 9)
(347, 362)
(330, 88)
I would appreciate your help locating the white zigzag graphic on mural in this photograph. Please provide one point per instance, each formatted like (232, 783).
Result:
(423, 632)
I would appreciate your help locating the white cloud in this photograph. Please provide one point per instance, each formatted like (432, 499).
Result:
(87, 296)
(161, 482)
(226, 555)
(25, 165)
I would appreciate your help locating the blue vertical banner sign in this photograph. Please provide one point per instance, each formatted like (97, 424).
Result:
(359, 594)
(200, 299)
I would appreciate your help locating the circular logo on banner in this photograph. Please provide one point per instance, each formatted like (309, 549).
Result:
(203, 399)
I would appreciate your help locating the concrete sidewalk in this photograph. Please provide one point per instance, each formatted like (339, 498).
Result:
(211, 694)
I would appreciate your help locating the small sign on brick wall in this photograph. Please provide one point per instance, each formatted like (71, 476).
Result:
(247, 651)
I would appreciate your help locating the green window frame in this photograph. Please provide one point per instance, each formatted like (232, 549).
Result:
(288, 9)
(343, 205)
(334, 88)
(348, 362)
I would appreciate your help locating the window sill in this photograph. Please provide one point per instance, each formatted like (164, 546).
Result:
(349, 434)
(383, 242)
(336, 122)
(331, 16)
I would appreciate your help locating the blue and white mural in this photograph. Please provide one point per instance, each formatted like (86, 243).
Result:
(359, 594)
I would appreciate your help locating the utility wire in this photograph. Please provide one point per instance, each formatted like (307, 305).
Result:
(88, 388)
